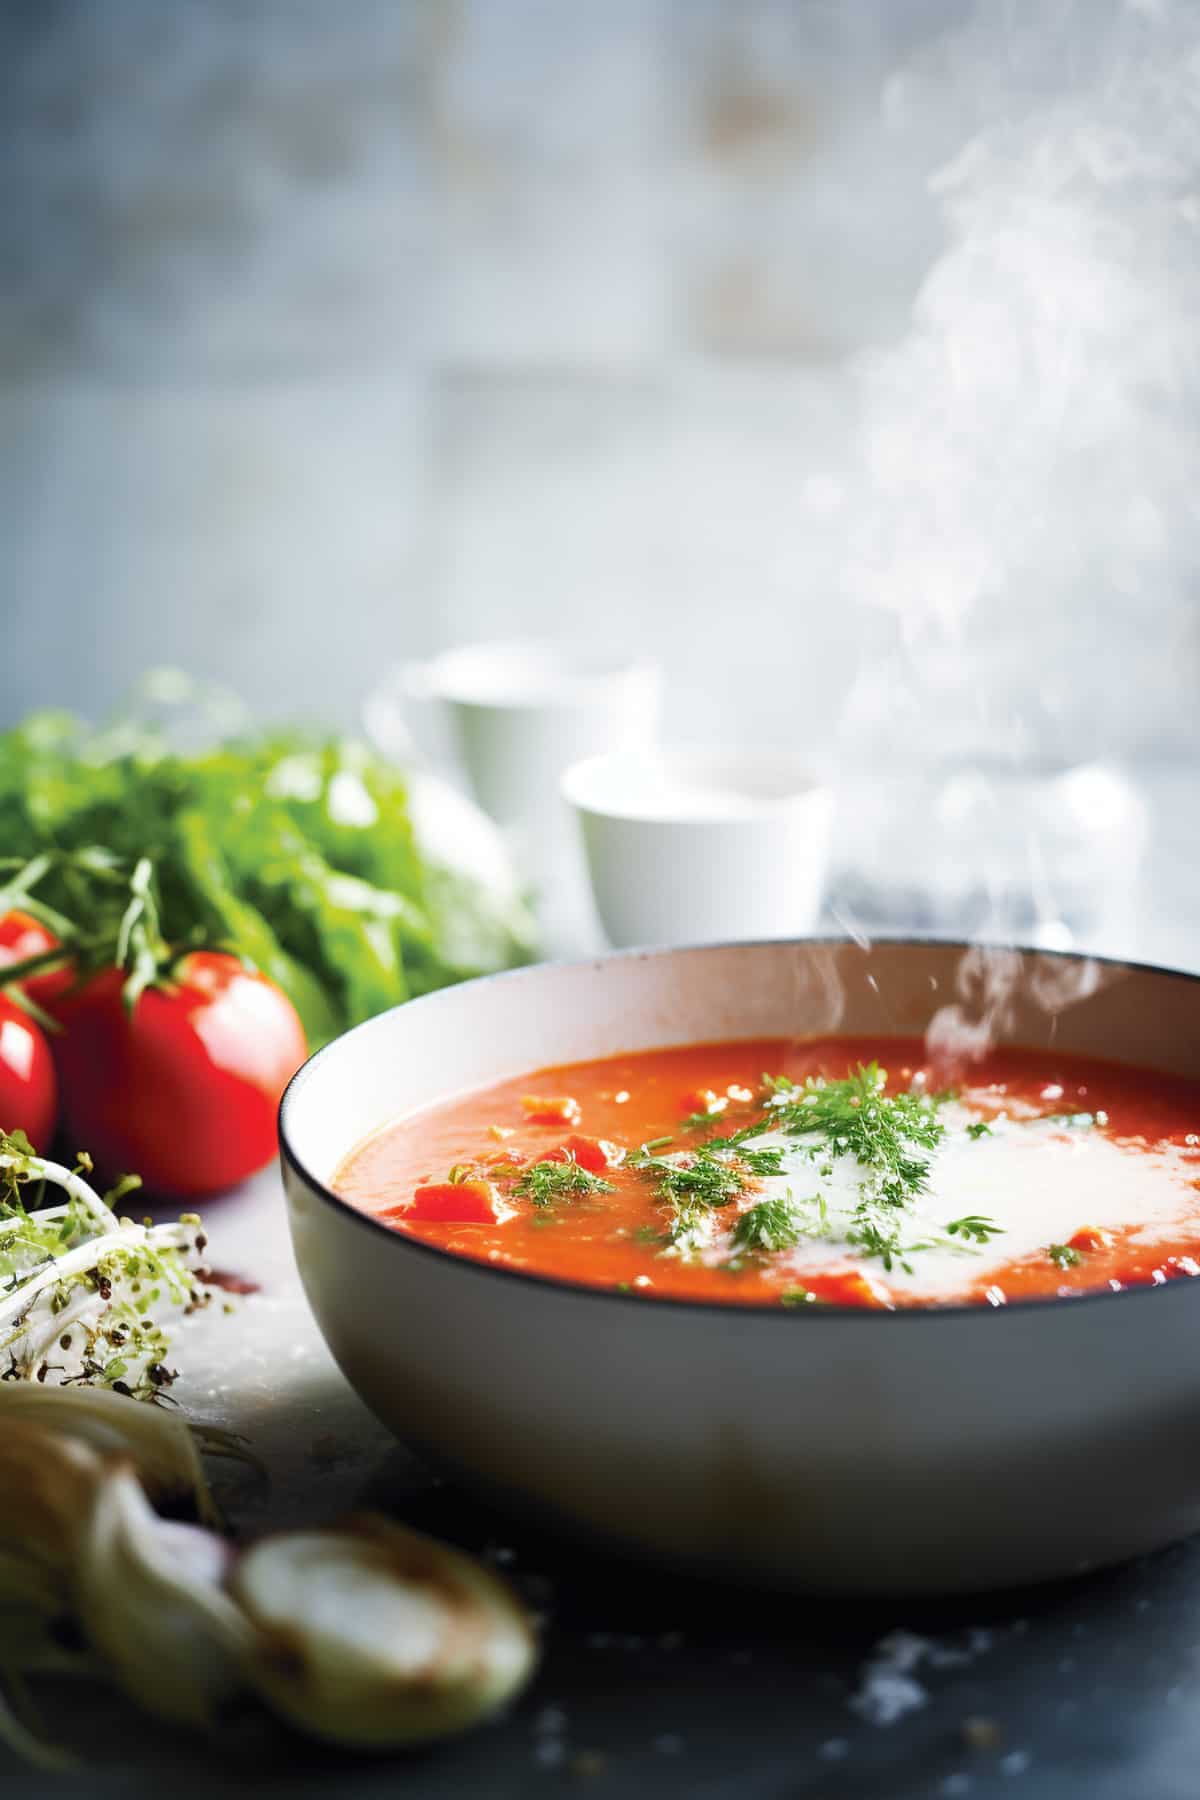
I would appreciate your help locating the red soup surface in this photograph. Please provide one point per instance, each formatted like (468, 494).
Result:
(798, 1174)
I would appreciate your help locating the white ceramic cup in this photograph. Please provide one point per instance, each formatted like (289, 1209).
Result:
(689, 846)
(513, 715)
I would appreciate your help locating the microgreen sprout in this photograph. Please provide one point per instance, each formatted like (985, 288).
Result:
(81, 1288)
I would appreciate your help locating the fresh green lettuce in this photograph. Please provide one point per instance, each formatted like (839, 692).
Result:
(295, 849)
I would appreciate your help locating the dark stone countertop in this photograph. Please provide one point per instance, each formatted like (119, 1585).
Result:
(656, 1684)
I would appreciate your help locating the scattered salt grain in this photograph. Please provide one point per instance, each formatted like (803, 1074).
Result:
(888, 1689)
(886, 1697)
(1015, 1763)
(834, 1749)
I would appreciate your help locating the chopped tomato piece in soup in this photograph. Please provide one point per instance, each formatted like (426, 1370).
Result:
(596, 1154)
(561, 1111)
(701, 1100)
(807, 1173)
(1090, 1237)
(446, 1202)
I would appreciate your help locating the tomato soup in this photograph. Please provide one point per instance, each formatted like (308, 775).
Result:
(790, 1174)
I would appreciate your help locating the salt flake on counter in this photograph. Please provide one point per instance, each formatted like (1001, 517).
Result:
(888, 1689)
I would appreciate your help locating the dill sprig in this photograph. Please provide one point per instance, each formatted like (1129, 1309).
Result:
(770, 1225)
(707, 1176)
(887, 1135)
(702, 1177)
(857, 1117)
(545, 1183)
(882, 1132)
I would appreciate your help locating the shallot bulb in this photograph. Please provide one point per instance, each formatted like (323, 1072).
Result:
(376, 1635)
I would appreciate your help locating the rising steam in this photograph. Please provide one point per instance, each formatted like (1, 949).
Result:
(1030, 448)
(1027, 524)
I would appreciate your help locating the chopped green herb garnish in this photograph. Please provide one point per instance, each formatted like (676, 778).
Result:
(1065, 1255)
(650, 1234)
(1080, 1121)
(800, 1296)
(979, 1128)
(544, 1183)
(978, 1229)
(703, 1177)
(699, 1121)
(856, 1117)
(771, 1225)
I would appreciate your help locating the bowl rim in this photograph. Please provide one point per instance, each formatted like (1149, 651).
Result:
(674, 1303)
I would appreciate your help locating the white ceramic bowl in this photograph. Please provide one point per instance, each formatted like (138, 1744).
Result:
(827, 1449)
(685, 846)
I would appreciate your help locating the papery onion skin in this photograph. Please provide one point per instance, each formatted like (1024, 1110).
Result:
(155, 1607)
(47, 1486)
(317, 1662)
(159, 1443)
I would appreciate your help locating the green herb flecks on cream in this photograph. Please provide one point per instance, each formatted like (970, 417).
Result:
(888, 1139)
(769, 1225)
(712, 1175)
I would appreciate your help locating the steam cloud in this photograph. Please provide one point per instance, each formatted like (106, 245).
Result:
(1030, 502)
(1026, 521)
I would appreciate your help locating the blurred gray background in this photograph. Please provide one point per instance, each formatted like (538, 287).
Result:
(333, 334)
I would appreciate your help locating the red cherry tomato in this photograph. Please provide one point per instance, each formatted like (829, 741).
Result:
(28, 1089)
(184, 1089)
(22, 936)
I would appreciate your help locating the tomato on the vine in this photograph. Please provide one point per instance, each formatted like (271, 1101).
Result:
(28, 1089)
(183, 1087)
(22, 937)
